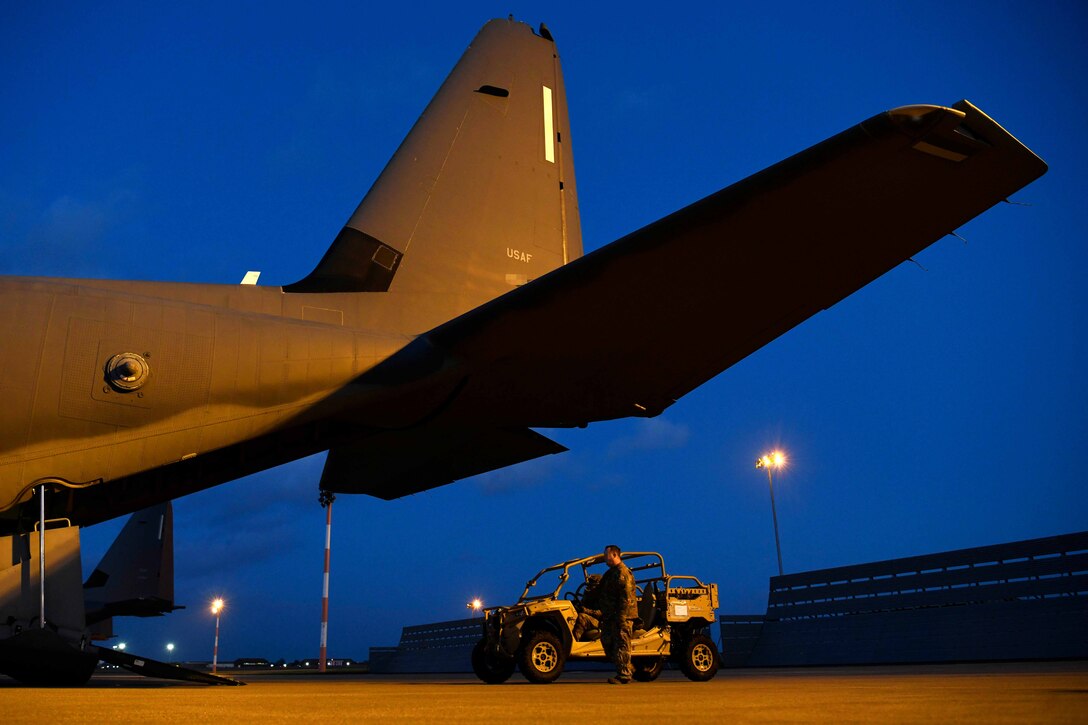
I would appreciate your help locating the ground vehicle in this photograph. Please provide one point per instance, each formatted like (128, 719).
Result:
(536, 635)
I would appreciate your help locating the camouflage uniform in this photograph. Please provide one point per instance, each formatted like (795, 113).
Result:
(619, 606)
(588, 620)
(589, 617)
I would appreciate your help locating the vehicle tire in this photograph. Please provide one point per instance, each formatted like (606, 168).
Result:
(699, 658)
(542, 658)
(647, 669)
(490, 667)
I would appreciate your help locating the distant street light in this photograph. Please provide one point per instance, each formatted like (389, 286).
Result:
(475, 605)
(771, 462)
(217, 607)
(170, 651)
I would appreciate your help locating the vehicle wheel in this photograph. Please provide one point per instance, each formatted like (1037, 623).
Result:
(699, 659)
(490, 667)
(542, 658)
(647, 669)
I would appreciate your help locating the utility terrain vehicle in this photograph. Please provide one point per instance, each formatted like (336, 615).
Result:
(537, 634)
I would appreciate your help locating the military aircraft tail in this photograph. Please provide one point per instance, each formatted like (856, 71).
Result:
(136, 576)
(480, 197)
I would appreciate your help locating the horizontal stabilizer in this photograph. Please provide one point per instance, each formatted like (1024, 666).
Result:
(398, 463)
(630, 328)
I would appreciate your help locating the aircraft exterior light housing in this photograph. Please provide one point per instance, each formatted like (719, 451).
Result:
(127, 371)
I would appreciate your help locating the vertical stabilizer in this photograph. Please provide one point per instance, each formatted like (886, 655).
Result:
(480, 197)
(136, 576)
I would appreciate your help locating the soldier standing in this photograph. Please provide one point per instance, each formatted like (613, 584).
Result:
(619, 606)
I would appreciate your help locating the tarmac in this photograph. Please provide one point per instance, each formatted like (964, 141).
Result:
(1045, 692)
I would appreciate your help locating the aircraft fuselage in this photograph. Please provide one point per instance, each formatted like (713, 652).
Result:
(222, 365)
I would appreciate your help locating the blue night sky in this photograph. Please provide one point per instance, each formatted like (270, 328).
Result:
(938, 408)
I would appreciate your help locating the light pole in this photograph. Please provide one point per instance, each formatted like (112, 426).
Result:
(170, 652)
(217, 607)
(770, 462)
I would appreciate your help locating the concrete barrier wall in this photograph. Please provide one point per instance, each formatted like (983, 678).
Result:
(1023, 600)
(429, 648)
(1020, 630)
(739, 635)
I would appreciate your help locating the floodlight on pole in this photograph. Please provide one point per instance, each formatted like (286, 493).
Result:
(217, 608)
(475, 605)
(170, 651)
(773, 461)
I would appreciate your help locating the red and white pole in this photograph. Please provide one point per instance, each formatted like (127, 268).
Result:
(217, 609)
(215, 649)
(326, 498)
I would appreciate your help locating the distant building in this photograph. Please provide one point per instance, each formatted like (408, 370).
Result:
(252, 662)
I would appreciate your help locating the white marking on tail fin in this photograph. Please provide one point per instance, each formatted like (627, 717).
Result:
(549, 130)
(251, 278)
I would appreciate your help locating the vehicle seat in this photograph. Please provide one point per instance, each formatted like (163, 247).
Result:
(647, 612)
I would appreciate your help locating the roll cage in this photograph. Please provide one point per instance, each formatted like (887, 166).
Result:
(639, 562)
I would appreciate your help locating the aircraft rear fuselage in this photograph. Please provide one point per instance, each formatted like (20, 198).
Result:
(221, 365)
